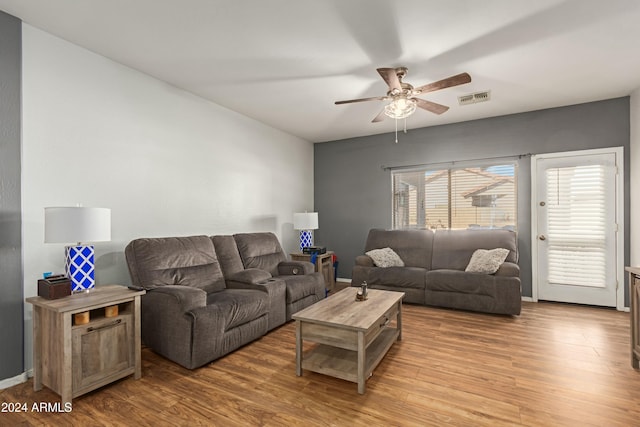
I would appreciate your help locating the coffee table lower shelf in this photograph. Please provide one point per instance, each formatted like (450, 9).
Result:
(342, 363)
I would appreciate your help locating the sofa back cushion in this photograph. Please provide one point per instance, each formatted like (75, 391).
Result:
(413, 246)
(452, 249)
(228, 255)
(260, 250)
(188, 261)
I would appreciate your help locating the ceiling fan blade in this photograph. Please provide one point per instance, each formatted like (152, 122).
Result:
(391, 77)
(456, 80)
(380, 117)
(431, 106)
(375, 98)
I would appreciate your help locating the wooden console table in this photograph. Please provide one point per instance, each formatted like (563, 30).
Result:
(73, 359)
(634, 307)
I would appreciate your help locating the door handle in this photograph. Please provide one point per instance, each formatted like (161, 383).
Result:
(542, 237)
(108, 325)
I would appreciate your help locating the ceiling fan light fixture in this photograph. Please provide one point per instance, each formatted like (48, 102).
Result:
(400, 108)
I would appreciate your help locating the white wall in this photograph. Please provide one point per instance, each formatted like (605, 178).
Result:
(166, 162)
(634, 203)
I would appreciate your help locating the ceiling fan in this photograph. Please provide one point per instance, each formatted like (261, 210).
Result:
(403, 95)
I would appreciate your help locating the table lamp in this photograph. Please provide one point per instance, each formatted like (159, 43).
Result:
(306, 222)
(78, 224)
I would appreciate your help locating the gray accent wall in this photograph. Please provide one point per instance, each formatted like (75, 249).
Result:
(11, 295)
(353, 190)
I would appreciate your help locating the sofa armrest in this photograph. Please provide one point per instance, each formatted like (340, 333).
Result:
(364, 261)
(508, 269)
(166, 323)
(183, 298)
(292, 268)
(249, 276)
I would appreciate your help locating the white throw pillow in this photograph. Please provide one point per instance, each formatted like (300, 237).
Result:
(487, 261)
(385, 257)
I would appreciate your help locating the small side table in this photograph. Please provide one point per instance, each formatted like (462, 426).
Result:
(634, 308)
(73, 359)
(324, 264)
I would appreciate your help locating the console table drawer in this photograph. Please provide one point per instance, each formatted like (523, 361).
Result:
(381, 324)
(102, 350)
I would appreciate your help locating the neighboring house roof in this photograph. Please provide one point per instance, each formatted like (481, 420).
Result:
(495, 181)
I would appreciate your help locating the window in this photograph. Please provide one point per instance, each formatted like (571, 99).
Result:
(466, 197)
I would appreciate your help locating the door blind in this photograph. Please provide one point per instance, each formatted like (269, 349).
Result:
(576, 209)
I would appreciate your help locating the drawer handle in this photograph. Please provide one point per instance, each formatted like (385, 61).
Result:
(385, 323)
(108, 325)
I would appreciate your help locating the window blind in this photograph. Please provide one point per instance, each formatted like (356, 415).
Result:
(469, 197)
(576, 218)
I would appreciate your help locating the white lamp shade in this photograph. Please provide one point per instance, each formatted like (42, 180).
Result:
(77, 224)
(305, 221)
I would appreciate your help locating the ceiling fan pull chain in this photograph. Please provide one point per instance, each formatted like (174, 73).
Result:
(405, 125)
(396, 131)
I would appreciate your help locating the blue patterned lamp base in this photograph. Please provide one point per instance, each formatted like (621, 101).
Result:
(306, 239)
(79, 265)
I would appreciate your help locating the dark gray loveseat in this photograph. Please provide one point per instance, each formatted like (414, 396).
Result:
(434, 271)
(194, 313)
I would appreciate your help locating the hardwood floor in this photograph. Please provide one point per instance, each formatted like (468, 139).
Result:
(554, 365)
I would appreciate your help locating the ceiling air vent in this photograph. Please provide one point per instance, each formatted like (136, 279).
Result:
(474, 98)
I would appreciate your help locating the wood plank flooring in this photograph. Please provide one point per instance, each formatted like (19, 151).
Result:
(554, 365)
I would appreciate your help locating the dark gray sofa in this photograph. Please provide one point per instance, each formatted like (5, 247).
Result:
(194, 313)
(434, 271)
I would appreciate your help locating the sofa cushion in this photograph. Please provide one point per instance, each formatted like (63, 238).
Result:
(452, 249)
(250, 276)
(187, 261)
(402, 277)
(299, 287)
(460, 282)
(487, 261)
(413, 246)
(385, 257)
(239, 306)
(227, 253)
(260, 250)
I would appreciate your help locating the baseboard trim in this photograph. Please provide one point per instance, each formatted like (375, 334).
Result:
(528, 299)
(10, 382)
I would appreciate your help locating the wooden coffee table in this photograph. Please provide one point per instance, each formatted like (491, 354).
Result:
(352, 336)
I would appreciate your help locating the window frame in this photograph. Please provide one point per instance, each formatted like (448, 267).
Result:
(452, 167)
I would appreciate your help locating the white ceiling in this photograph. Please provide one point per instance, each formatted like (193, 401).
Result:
(285, 62)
